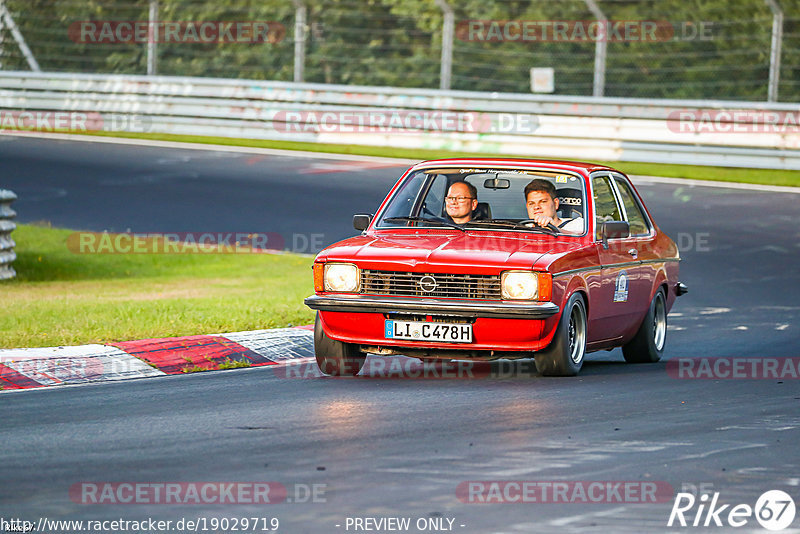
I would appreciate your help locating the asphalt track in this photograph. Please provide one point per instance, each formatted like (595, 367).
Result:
(100, 186)
(386, 447)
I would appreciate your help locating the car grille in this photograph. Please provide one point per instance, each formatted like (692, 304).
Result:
(461, 286)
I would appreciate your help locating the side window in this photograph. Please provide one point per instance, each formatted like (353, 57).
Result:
(434, 201)
(403, 201)
(605, 204)
(636, 218)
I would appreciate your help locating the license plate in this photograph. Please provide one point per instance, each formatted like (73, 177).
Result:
(422, 331)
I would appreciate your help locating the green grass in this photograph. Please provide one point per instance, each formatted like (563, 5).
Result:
(63, 298)
(697, 172)
(233, 364)
(195, 369)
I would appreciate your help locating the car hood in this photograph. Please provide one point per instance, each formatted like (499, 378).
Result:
(470, 251)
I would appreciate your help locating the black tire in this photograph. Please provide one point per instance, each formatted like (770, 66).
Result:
(647, 346)
(565, 354)
(336, 358)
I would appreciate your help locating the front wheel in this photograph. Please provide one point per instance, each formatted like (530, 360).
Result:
(564, 356)
(336, 358)
(647, 346)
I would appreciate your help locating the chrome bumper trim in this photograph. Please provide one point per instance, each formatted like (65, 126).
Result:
(460, 308)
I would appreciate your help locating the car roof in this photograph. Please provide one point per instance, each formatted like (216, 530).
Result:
(575, 166)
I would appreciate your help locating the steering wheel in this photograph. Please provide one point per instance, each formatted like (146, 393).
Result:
(549, 226)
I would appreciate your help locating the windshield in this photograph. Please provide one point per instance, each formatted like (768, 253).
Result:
(492, 199)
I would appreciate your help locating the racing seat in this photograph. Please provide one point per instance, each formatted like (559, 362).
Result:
(482, 212)
(570, 203)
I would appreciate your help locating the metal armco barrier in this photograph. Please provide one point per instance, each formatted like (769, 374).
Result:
(7, 254)
(734, 134)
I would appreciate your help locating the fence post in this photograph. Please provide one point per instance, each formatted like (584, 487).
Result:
(299, 40)
(7, 254)
(600, 49)
(152, 39)
(8, 20)
(446, 69)
(775, 50)
(2, 34)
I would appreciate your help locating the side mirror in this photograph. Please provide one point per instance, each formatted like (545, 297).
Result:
(614, 230)
(361, 221)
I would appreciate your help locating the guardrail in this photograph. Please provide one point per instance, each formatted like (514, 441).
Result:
(723, 133)
(7, 254)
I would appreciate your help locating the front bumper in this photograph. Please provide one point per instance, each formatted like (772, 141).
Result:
(458, 308)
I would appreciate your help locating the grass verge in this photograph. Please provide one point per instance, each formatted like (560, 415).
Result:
(696, 172)
(63, 298)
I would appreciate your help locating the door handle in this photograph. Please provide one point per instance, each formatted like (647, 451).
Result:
(633, 252)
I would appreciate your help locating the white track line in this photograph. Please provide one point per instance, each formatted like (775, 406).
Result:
(354, 157)
(216, 148)
(708, 183)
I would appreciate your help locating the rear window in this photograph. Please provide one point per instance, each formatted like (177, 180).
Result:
(605, 203)
(636, 218)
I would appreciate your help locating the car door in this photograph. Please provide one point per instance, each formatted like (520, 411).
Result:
(621, 293)
(641, 239)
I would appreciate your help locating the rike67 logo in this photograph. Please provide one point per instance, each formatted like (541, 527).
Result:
(774, 510)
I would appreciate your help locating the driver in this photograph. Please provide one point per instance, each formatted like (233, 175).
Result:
(542, 203)
(461, 201)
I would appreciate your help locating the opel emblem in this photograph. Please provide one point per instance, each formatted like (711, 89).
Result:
(427, 283)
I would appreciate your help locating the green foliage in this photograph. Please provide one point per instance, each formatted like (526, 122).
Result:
(399, 43)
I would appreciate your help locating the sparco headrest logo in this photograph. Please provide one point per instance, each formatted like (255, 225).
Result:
(774, 510)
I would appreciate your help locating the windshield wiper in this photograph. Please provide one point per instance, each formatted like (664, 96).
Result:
(436, 220)
(514, 224)
(504, 224)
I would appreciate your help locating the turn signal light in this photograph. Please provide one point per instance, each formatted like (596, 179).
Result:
(319, 275)
(545, 287)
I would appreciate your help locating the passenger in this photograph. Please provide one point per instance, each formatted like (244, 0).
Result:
(461, 201)
(542, 203)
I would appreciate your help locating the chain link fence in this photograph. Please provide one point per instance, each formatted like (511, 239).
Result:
(697, 49)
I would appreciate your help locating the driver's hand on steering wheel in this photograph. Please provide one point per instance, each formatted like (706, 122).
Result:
(543, 220)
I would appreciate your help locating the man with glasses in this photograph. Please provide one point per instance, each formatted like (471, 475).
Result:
(461, 201)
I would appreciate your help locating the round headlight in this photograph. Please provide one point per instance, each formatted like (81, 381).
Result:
(341, 277)
(520, 285)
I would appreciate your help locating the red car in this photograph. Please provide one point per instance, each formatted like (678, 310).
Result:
(498, 258)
